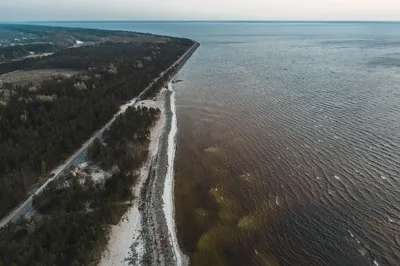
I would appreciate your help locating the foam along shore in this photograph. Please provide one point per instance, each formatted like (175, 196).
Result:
(127, 233)
(168, 196)
(146, 234)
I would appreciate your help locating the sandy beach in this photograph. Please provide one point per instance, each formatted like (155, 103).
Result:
(146, 233)
(127, 233)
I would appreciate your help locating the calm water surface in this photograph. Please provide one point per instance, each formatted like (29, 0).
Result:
(288, 143)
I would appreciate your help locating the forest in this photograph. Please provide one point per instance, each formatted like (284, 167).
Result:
(13, 52)
(18, 40)
(42, 124)
(76, 212)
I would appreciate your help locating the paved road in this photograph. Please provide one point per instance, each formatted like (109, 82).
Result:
(26, 209)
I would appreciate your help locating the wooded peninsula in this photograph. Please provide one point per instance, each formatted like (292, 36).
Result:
(57, 87)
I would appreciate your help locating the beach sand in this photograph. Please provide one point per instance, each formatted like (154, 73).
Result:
(146, 234)
(128, 232)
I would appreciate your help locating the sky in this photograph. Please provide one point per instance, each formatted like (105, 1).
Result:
(31, 10)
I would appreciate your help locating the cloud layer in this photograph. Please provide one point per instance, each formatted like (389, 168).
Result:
(26, 10)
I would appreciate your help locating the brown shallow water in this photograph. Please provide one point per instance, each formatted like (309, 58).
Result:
(288, 142)
(288, 150)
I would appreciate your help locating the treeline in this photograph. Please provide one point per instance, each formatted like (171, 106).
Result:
(42, 39)
(97, 57)
(13, 52)
(76, 211)
(62, 239)
(41, 125)
(65, 34)
(126, 142)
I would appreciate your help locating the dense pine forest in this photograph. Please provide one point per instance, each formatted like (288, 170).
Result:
(17, 41)
(13, 52)
(76, 212)
(41, 124)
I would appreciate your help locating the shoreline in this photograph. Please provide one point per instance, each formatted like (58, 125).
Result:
(125, 241)
(168, 196)
(146, 234)
(25, 208)
(117, 214)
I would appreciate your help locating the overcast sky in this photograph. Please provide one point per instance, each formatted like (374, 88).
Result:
(26, 10)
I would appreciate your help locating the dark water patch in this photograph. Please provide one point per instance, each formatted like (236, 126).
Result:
(386, 61)
(309, 244)
(380, 43)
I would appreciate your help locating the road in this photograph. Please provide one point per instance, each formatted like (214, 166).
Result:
(26, 209)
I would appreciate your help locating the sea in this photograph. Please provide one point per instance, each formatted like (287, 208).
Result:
(288, 144)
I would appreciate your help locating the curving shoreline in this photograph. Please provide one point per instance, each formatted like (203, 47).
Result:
(168, 196)
(157, 197)
(146, 235)
(126, 244)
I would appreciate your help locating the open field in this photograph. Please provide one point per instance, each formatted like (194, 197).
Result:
(37, 76)
(34, 56)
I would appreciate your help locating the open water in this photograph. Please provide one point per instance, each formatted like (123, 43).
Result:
(288, 147)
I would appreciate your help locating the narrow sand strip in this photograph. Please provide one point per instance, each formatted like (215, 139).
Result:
(168, 196)
(127, 232)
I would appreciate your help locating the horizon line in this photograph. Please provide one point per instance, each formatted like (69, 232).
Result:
(206, 21)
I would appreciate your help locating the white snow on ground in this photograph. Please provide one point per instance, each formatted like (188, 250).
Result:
(124, 107)
(100, 175)
(149, 104)
(83, 165)
(168, 196)
(60, 168)
(97, 174)
(127, 232)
